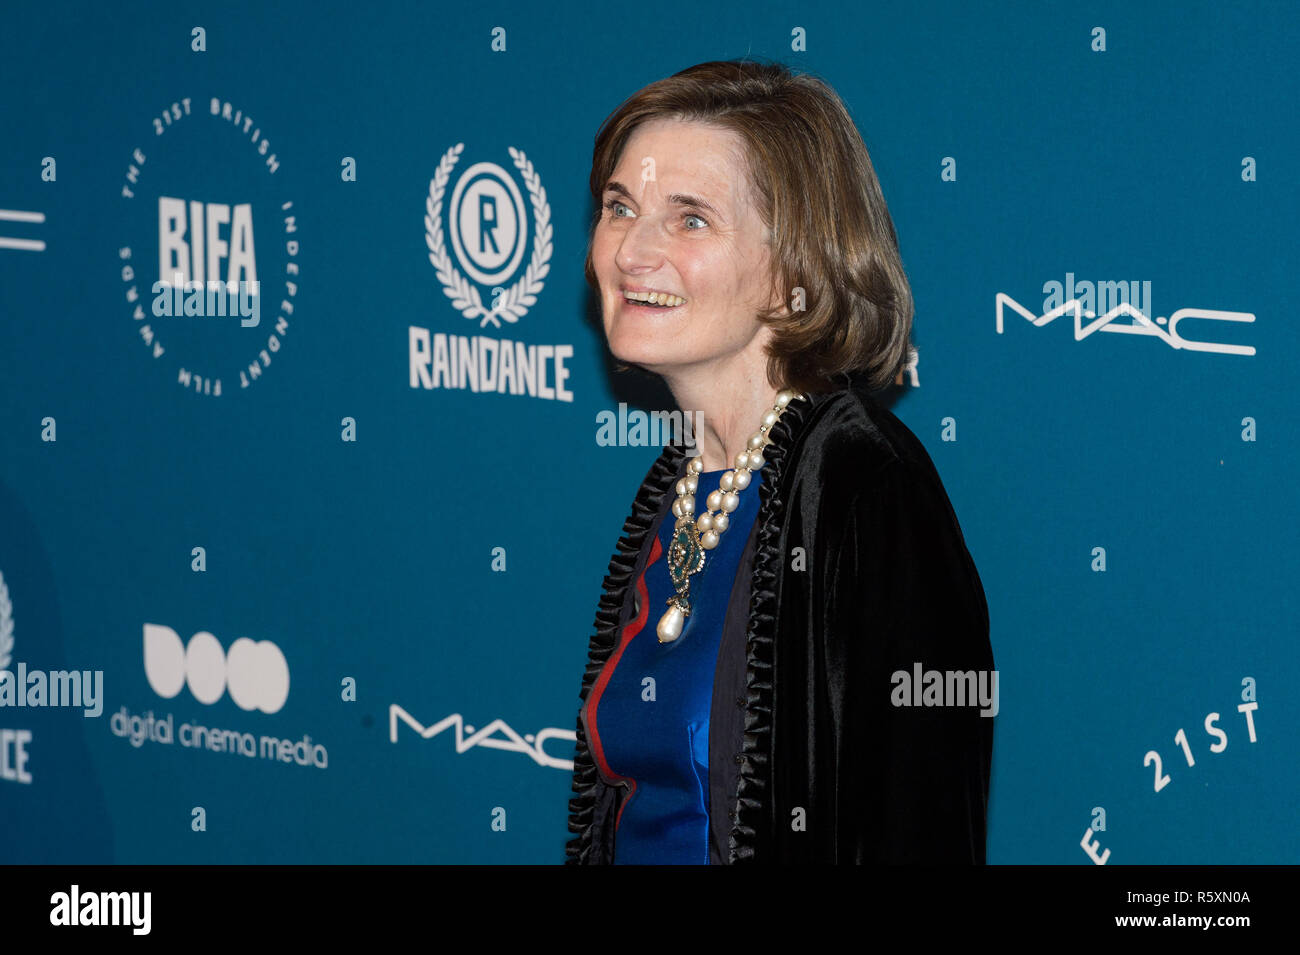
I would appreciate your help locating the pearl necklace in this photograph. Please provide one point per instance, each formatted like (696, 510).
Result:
(693, 536)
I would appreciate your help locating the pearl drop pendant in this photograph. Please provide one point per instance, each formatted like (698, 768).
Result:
(670, 625)
(713, 522)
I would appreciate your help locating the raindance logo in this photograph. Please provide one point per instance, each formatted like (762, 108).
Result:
(13, 743)
(208, 183)
(22, 687)
(488, 226)
(489, 233)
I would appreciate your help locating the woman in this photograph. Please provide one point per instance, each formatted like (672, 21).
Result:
(743, 700)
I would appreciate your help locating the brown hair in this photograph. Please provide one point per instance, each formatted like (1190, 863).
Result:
(830, 231)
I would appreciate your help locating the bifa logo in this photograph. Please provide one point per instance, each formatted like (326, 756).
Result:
(210, 237)
(256, 674)
(488, 227)
(193, 254)
(1123, 308)
(496, 735)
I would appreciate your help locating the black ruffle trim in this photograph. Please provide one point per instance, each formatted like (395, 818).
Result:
(645, 508)
(749, 830)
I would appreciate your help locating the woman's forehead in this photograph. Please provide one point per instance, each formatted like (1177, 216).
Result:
(683, 157)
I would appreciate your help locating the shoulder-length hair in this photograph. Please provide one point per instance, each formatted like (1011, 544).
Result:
(830, 232)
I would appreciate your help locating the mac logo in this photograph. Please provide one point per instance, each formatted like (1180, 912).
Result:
(1136, 324)
(496, 735)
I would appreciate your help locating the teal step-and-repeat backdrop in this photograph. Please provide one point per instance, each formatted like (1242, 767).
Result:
(313, 581)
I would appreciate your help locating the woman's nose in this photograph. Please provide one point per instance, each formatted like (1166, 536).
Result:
(641, 245)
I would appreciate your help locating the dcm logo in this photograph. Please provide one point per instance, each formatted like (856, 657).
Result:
(256, 674)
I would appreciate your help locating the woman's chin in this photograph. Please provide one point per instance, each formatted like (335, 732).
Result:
(640, 360)
(650, 355)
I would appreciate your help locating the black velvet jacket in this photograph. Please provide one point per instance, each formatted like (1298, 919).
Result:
(855, 568)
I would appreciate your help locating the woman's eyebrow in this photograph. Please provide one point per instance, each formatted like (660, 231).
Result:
(695, 202)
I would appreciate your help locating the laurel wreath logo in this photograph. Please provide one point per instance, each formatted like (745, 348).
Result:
(512, 303)
(6, 625)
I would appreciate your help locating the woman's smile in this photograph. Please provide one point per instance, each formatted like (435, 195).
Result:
(650, 298)
(635, 306)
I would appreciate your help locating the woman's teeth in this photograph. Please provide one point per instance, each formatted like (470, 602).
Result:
(654, 298)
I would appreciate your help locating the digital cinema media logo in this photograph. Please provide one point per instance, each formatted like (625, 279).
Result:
(253, 674)
(476, 230)
(210, 267)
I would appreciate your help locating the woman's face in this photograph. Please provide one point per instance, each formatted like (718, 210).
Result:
(679, 218)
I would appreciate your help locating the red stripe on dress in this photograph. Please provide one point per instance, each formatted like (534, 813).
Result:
(631, 630)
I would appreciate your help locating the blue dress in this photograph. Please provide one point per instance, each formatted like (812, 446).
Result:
(648, 712)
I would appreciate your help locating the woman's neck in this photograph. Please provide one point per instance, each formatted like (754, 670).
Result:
(726, 406)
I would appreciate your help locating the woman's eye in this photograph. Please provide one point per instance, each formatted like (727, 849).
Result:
(613, 205)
